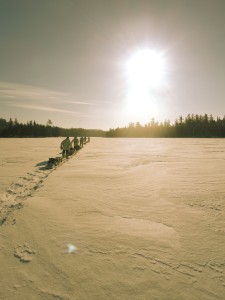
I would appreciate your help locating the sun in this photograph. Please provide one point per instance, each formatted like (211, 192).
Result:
(145, 68)
(145, 72)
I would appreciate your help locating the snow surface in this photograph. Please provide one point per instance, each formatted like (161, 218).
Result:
(144, 219)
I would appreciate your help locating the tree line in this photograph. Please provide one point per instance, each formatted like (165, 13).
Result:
(13, 128)
(201, 126)
(189, 126)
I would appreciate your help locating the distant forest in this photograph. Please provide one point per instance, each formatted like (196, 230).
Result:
(189, 126)
(13, 128)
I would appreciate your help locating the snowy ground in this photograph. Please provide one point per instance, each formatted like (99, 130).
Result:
(145, 217)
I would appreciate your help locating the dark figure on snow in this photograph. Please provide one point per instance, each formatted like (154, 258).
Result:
(65, 146)
(81, 142)
(75, 142)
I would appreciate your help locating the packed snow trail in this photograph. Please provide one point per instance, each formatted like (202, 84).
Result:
(25, 186)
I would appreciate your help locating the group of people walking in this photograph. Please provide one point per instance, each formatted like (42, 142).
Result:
(69, 147)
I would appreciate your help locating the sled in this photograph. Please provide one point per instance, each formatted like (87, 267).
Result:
(53, 162)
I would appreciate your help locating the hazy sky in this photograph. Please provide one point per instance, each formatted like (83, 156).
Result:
(65, 60)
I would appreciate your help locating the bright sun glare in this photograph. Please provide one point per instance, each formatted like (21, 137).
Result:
(145, 73)
(145, 68)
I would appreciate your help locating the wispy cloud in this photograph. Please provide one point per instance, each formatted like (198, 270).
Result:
(81, 103)
(41, 99)
(14, 90)
(43, 108)
(19, 92)
(93, 102)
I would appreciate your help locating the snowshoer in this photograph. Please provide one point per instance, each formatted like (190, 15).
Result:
(75, 142)
(65, 146)
(81, 141)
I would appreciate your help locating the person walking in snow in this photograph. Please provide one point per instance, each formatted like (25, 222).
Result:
(75, 141)
(81, 142)
(65, 146)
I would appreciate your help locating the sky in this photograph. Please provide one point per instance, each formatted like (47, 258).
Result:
(66, 60)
